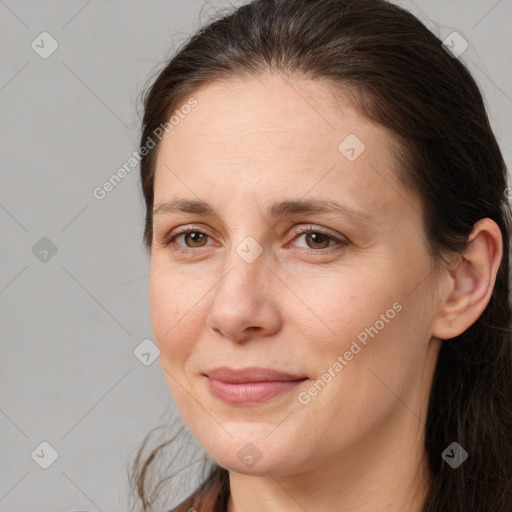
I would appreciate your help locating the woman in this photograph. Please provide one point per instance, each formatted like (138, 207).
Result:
(329, 283)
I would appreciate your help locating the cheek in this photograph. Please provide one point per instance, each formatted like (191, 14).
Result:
(377, 330)
(339, 309)
(177, 318)
(174, 309)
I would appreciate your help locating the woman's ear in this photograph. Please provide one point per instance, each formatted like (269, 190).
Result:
(470, 281)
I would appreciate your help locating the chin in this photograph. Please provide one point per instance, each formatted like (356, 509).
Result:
(258, 457)
(260, 468)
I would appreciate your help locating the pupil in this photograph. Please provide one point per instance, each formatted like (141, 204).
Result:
(317, 238)
(196, 237)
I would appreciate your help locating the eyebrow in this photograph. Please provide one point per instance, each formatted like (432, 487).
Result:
(276, 210)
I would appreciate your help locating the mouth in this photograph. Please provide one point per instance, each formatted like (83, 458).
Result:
(250, 385)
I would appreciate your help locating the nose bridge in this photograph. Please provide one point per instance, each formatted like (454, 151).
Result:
(246, 254)
(244, 269)
(241, 300)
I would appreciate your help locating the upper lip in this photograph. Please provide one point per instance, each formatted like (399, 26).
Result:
(250, 374)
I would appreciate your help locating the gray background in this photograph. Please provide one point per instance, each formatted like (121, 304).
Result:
(71, 320)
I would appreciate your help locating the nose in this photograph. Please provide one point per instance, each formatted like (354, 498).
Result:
(244, 306)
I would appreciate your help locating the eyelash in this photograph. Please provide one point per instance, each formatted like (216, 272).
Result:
(340, 243)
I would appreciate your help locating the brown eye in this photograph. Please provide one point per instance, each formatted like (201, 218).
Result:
(317, 240)
(194, 239)
(189, 239)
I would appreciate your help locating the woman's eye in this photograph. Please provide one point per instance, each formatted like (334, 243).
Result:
(318, 240)
(191, 239)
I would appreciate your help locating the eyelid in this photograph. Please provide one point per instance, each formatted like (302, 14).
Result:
(313, 228)
(340, 241)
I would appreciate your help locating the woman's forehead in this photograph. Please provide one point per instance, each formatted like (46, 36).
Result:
(274, 104)
(243, 138)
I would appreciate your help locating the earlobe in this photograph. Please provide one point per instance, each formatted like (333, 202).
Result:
(471, 281)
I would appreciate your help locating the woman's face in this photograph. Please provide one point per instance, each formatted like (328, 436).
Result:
(346, 310)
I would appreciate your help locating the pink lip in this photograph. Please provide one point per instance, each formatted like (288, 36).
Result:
(250, 385)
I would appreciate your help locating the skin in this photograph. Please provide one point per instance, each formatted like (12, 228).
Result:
(357, 445)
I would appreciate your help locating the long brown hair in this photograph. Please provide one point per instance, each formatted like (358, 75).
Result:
(400, 76)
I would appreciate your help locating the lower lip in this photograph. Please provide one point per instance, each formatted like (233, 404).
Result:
(250, 392)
